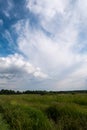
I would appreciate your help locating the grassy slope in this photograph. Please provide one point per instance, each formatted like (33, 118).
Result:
(47, 112)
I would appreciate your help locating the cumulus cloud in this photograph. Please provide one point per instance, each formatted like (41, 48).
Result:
(15, 64)
(17, 73)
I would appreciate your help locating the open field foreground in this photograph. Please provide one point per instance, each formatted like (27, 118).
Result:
(43, 112)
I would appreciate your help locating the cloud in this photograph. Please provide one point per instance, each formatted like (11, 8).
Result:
(50, 54)
(8, 8)
(58, 54)
(74, 80)
(47, 8)
(8, 37)
(56, 44)
(15, 64)
(16, 72)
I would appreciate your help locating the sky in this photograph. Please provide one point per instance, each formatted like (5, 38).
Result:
(43, 44)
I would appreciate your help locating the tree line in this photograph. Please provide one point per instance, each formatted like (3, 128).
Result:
(41, 92)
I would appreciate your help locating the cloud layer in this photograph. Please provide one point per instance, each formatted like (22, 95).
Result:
(52, 43)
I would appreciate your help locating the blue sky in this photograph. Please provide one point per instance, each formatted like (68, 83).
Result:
(43, 44)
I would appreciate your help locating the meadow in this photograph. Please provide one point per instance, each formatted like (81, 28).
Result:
(43, 112)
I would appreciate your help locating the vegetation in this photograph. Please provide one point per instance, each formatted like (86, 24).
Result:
(43, 111)
(10, 92)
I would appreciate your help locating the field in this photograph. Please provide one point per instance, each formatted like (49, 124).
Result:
(43, 112)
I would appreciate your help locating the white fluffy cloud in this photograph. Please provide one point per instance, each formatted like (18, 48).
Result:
(54, 45)
(15, 64)
(17, 73)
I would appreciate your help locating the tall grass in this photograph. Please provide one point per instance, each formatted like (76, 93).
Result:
(47, 112)
(25, 118)
(68, 117)
(3, 124)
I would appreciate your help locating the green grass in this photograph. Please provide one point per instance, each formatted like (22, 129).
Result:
(3, 124)
(47, 112)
